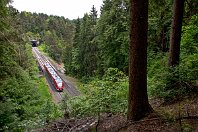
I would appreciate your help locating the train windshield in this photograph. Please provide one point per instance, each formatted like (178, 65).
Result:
(59, 82)
(59, 85)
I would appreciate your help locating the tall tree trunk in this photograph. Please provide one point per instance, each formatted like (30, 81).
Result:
(138, 105)
(175, 38)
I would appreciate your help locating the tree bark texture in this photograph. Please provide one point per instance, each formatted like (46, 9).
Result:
(138, 105)
(175, 37)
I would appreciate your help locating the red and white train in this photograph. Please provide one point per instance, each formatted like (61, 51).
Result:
(57, 81)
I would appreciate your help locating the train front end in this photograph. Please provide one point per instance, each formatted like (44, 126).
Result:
(60, 85)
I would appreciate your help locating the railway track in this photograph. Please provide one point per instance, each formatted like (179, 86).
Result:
(69, 88)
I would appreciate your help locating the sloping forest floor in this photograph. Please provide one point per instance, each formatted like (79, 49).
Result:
(174, 117)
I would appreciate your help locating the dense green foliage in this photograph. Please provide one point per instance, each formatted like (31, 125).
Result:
(111, 39)
(108, 95)
(56, 33)
(82, 57)
(159, 79)
(100, 43)
(159, 25)
(21, 105)
(90, 47)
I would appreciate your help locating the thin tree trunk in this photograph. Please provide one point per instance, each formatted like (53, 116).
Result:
(163, 40)
(138, 105)
(175, 38)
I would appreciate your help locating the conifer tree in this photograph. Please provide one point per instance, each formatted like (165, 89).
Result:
(175, 38)
(138, 105)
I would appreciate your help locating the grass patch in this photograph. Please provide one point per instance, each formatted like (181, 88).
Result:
(43, 89)
(74, 81)
(42, 48)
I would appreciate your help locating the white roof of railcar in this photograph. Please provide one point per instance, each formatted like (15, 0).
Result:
(53, 73)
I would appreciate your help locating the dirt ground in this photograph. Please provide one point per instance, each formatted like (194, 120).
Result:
(178, 117)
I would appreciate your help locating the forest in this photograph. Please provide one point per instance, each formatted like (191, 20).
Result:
(126, 55)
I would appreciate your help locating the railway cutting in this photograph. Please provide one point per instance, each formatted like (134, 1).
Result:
(56, 79)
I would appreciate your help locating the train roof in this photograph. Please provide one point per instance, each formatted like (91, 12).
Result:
(53, 73)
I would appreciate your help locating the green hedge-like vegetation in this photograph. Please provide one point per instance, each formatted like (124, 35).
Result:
(106, 95)
(44, 89)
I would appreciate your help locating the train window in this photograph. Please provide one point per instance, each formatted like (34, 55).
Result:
(58, 80)
(54, 76)
(59, 85)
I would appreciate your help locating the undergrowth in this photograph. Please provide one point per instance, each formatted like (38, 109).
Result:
(176, 83)
(108, 95)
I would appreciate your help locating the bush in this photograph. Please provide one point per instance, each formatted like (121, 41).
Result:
(189, 41)
(106, 95)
